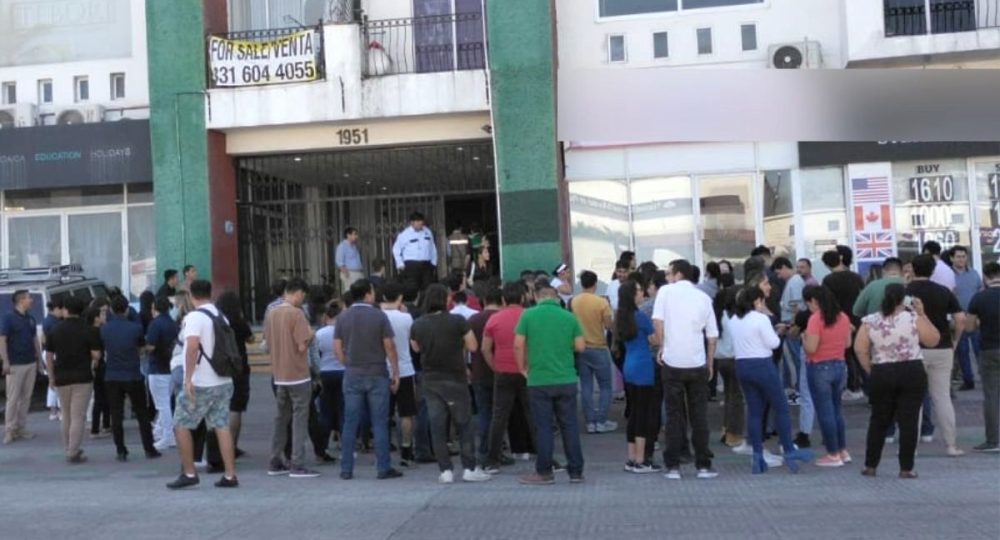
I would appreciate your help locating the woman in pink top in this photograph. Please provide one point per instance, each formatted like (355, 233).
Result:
(824, 341)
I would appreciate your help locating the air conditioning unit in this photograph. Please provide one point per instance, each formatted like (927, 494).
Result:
(80, 114)
(801, 55)
(18, 115)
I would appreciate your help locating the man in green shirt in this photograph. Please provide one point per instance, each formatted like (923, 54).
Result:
(546, 338)
(870, 299)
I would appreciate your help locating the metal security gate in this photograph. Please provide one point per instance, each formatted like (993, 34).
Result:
(293, 208)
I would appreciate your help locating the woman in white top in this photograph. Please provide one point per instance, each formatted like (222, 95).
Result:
(754, 339)
(733, 413)
(888, 348)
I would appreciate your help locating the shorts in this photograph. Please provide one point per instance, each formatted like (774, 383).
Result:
(404, 401)
(211, 404)
(241, 393)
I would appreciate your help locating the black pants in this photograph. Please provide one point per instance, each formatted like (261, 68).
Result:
(100, 414)
(448, 402)
(687, 387)
(136, 392)
(417, 275)
(896, 391)
(509, 390)
(644, 416)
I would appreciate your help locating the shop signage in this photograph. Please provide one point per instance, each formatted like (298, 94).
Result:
(818, 154)
(75, 155)
(871, 200)
(292, 58)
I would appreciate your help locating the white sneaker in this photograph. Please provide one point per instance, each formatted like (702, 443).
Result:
(673, 474)
(927, 438)
(201, 464)
(607, 426)
(890, 440)
(743, 449)
(591, 427)
(773, 460)
(477, 475)
(164, 444)
(446, 477)
(523, 457)
(707, 474)
(53, 417)
(954, 451)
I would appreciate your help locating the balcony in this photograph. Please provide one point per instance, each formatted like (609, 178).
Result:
(920, 17)
(347, 72)
(911, 33)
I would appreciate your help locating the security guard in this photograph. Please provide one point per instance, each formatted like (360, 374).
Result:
(416, 255)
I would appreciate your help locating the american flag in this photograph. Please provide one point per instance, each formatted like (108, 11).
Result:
(874, 245)
(870, 190)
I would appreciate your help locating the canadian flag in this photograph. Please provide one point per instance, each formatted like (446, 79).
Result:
(872, 217)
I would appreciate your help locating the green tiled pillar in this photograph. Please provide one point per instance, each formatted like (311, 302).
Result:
(175, 42)
(522, 80)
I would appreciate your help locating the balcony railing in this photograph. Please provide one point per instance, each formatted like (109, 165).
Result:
(919, 17)
(423, 44)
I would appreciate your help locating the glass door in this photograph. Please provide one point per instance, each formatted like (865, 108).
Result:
(727, 219)
(95, 243)
(34, 241)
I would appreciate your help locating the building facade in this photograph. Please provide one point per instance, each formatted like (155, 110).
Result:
(75, 169)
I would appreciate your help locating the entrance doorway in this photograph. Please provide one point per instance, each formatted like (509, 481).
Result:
(293, 208)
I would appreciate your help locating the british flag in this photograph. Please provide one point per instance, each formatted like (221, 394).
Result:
(874, 245)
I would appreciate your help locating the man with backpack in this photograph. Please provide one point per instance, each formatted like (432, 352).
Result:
(210, 359)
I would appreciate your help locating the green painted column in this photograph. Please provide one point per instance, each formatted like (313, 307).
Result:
(175, 30)
(523, 97)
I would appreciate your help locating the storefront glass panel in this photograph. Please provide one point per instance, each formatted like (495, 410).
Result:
(988, 210)
(727, 219)
(824, 214)
(141, 249)
(48, 199)
(779, 217)
(931, 200)
(599, 224)
(95, 243)
(663, 219)
(34, 241)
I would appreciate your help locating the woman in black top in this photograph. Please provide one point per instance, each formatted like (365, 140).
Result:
(229, 305)
(479, 269)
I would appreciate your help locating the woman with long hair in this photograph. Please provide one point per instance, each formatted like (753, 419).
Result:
(888, 348)
(479, 270)
(229, 305)
(634, 329)
(733, 412)
(754, 339)
(824, 340)
(146, 300)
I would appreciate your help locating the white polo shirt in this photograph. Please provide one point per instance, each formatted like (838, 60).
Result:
(688, 318)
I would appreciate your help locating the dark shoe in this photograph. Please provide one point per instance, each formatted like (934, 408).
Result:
(227, 482)
(122, 456)
(685, 459)
(907, 475)
(802, 440)
(344, 475)
(184, 481)
(507, 461)
(153, 454)
(406, 453)
(77, 458)
(987, 447)
(426, 459)
(240, 453)
(966, 387)
(576, 479)
(325, 459)
(302, 472)
(390, 474)
(535, 479)
(868, 471)
(277, 469)
(558, 467)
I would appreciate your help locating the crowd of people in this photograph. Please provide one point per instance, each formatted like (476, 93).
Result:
(491, 371)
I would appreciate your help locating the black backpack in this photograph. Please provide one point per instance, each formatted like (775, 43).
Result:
(225, 360)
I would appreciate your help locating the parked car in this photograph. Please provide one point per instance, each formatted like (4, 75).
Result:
(44, 284)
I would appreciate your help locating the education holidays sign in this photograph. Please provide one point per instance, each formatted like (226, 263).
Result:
(291, 58)
(75, 155)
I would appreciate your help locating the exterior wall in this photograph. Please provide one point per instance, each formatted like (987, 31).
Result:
(583, 35)
(98, 73)
(522, 84)
(866, 42)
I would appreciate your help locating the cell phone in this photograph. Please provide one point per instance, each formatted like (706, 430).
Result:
(908, 302)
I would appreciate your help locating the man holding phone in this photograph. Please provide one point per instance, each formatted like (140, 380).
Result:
(791, 304)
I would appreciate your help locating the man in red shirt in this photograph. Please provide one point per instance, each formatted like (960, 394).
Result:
(510, 385)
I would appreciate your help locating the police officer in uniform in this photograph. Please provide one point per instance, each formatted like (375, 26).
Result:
(415, 254)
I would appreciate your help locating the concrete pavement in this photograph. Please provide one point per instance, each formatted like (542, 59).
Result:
(43, 497)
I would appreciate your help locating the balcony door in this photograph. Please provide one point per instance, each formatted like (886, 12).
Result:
(448, 35)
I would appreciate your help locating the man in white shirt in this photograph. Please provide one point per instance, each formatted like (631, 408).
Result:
(461, 307)
(684, 321)
(943, 274)
(415, 255)
(206, 395)
(404, 401)
(622, 268)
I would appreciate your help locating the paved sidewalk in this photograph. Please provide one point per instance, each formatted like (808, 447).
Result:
(43, 497)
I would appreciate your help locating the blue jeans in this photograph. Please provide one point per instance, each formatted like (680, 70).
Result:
(558, 402)
(807, 409)
(369, 393)
(827, 381)
(968, 342)
(761, 385)
(484, 416)
(595, 362)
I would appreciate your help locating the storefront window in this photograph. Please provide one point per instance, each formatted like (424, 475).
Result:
(779, 217)
(663, 219)
(988, 210)
(95, 243)
(34, 241)
(141, 250)
(931, 203)
(599, 225)
(727, 219)
(824, 214)
(140, 193)
(44, 199)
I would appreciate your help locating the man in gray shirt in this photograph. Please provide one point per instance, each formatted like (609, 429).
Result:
(363, 340)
